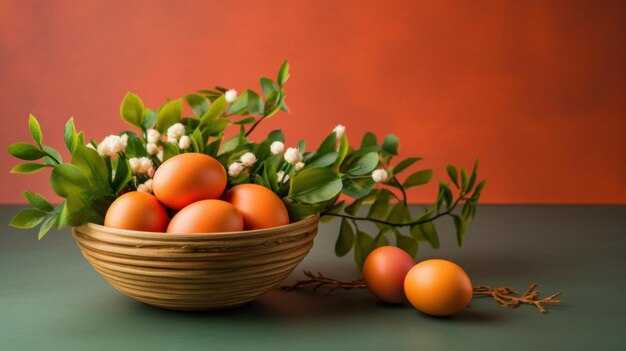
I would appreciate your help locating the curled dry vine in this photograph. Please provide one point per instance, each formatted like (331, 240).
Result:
(503, 295)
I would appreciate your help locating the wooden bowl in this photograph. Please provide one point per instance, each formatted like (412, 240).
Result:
(195, 272)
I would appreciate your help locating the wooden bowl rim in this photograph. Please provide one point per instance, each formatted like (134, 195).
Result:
(201, 236)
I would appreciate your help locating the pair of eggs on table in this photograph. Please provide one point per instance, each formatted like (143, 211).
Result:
(192, 185)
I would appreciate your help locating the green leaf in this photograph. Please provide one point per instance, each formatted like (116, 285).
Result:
(466, 212)
(390, 144)
(28, 168)
(381, 240)
(135, 147)
(255, 104)
(380, 209)
(369, 139)
(169, 150)
(56, 157)
(406, 243)
(429, 232)
(269, 175)
(27, 218)
(342, 151)
(328, 144)
(283, 74)
(363, 246)
(198, 103)
(75, 210)
(240, 105)
(399, 214)
(93, 167)
(299, 211)
(25, 151)
(404, 164)
(315, 185)
(453, 174)
(215, 111)
(69, 134)
(418, 178)
(479, 189)
(168, 115)
(267, 86)
(149, 118)
(472, 179)
(248, 120)
(46, 226)
(461, 229)
(38, 201)
(345, 240)
(357, 188)
(324, 160)
(464, 179)
(364, 164)
(131, 110)
(446, 193)
(123, 174)
(67, 179)
(35, 130)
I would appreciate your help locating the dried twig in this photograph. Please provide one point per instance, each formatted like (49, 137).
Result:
(503, 295)
(319, 281)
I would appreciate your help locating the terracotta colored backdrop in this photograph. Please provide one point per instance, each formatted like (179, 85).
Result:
(536, 89)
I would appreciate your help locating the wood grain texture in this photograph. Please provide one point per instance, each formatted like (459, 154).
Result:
(196, 272)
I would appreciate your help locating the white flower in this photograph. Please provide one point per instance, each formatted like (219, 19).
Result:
(277, 148)
(172, 141)
(145, 187)
(282, 177)
(230, 95)
(112, 144)
(152, 148)
(153, 136)
(293, 155)
(185, 142)
(140, 165)
(339, 130)
(247, 159)
(175, 131)
(234, 169)
(380, 176)
(160, 155)
(299, 166)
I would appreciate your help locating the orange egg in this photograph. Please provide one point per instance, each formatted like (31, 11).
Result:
(137, 210)
(187, 178)
(384, 271)
(258, 205)
(438, 287)
(206, 216)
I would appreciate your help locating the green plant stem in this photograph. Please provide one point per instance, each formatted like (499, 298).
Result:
(354, 218)
(254, 125)
(402, 190)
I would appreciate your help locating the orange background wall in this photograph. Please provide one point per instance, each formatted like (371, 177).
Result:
(536, 89)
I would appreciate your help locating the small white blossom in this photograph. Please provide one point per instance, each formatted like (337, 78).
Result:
(293, 155)
(234, 169)
(282, 177)
(298, 167)
(160, 155)
(185, 142)
(140, 165)
(152, 148)
(153, 136)
(248, 159)
(175, 131)
(145, 187)
(380, 176)
(230, 95)
(339, 130)
(112, 144)
(172, 141)
(277, 148)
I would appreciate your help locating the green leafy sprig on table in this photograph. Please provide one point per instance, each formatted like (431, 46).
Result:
(93, 178)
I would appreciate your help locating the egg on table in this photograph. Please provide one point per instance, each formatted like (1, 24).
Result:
(384, 271)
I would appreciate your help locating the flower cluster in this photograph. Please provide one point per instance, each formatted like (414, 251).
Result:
(112, 144)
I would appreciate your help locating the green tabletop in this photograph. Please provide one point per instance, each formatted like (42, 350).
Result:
(51, 298)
